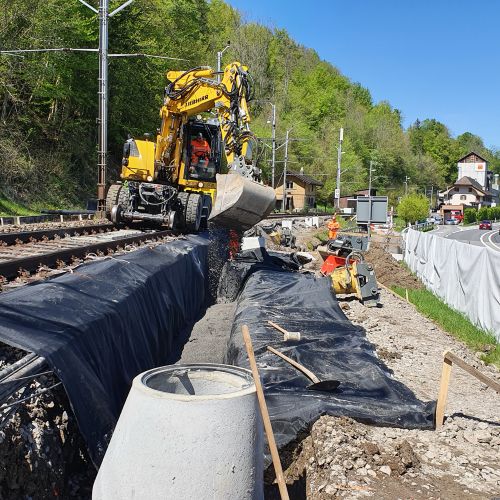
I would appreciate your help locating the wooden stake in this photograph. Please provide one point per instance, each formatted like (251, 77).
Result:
(265, 415)
(407, 299)
(448, 359)
(443, 392)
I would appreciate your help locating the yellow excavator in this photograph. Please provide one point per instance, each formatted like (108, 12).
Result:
(177, 181)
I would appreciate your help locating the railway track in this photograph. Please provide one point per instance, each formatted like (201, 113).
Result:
(29, 257)
(15, 238)
(297, 215)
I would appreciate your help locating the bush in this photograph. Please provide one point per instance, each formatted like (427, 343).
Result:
(413, 207)
(495, 213)
(470, 215)
(484, 213)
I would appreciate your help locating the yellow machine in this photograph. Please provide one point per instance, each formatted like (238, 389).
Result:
(177, 181)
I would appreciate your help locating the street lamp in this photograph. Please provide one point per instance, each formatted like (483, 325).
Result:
(219, 60)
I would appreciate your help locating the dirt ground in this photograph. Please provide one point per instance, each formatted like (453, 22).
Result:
(343, 458)
(388, 270)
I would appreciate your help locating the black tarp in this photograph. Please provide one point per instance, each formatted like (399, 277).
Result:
(101, 325)
(331, 347)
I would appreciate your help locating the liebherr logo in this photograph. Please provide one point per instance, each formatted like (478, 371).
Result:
(196, 101)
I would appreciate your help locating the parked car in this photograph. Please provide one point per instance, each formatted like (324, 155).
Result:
(438, 219)
(451, 221)
(485, 224)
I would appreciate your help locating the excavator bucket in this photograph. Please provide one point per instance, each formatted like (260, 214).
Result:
(241, 202)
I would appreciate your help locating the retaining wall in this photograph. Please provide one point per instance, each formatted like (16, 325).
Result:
(466, 277)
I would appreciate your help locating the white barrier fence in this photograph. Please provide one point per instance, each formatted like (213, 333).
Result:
(466, 277)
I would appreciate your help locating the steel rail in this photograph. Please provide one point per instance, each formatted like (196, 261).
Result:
(28, 236)
(293, 216)
(10, 269)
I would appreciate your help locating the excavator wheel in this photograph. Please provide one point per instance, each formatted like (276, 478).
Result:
(207, 208)
(180, 215)
(193, 212)
(112, 198)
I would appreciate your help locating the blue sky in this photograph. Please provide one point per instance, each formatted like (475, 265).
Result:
(430, 59)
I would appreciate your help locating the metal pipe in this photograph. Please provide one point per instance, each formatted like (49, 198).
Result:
(13, 377)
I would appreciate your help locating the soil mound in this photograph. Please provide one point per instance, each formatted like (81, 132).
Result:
(388, 270)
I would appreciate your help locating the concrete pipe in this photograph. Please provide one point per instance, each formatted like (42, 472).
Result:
(186, 432)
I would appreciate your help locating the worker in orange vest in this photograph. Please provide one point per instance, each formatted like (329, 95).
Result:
(200, 152)
(333, 228)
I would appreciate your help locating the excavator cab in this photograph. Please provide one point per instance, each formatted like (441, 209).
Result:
(202, 152)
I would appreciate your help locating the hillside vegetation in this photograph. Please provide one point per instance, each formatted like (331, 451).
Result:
(48, 101)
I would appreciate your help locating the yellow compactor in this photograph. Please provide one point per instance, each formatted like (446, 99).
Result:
(177, 181)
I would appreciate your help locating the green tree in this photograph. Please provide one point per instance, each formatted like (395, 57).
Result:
(413, 207)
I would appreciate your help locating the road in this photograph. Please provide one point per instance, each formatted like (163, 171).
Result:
(472, 235)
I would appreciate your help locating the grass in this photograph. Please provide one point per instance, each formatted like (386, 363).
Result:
(9, 207)
(454, 323)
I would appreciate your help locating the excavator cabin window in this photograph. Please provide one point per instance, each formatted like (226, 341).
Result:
(202, 153)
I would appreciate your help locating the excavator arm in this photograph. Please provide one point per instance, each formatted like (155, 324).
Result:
(196, 91)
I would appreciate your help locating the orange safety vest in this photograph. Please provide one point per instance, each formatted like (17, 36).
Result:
(199, 149)
(333, 229)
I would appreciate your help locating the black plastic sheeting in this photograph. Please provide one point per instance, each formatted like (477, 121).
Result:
(331, 347)
(108, 321)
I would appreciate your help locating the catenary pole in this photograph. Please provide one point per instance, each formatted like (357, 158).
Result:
(284, 170)
(274, 145)
(102, 120)
(370, 199)
(339, 161)
(102, 148)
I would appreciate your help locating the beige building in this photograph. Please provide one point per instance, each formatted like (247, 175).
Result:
(467, 191)
(300, 191)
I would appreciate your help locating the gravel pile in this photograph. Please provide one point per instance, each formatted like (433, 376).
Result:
(42, 454)
(345, 459)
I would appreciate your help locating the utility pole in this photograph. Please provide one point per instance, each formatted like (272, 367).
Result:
(370, 199)
(219, 60)
(432, 193)
(102, 148)
(274, 144)
(339, 160)
(406, 184)
(284, 170)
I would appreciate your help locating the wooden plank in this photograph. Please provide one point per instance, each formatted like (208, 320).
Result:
(265, 415)
(492, 384)
(443, 391)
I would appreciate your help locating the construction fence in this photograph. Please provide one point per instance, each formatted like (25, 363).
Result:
(465, 276)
